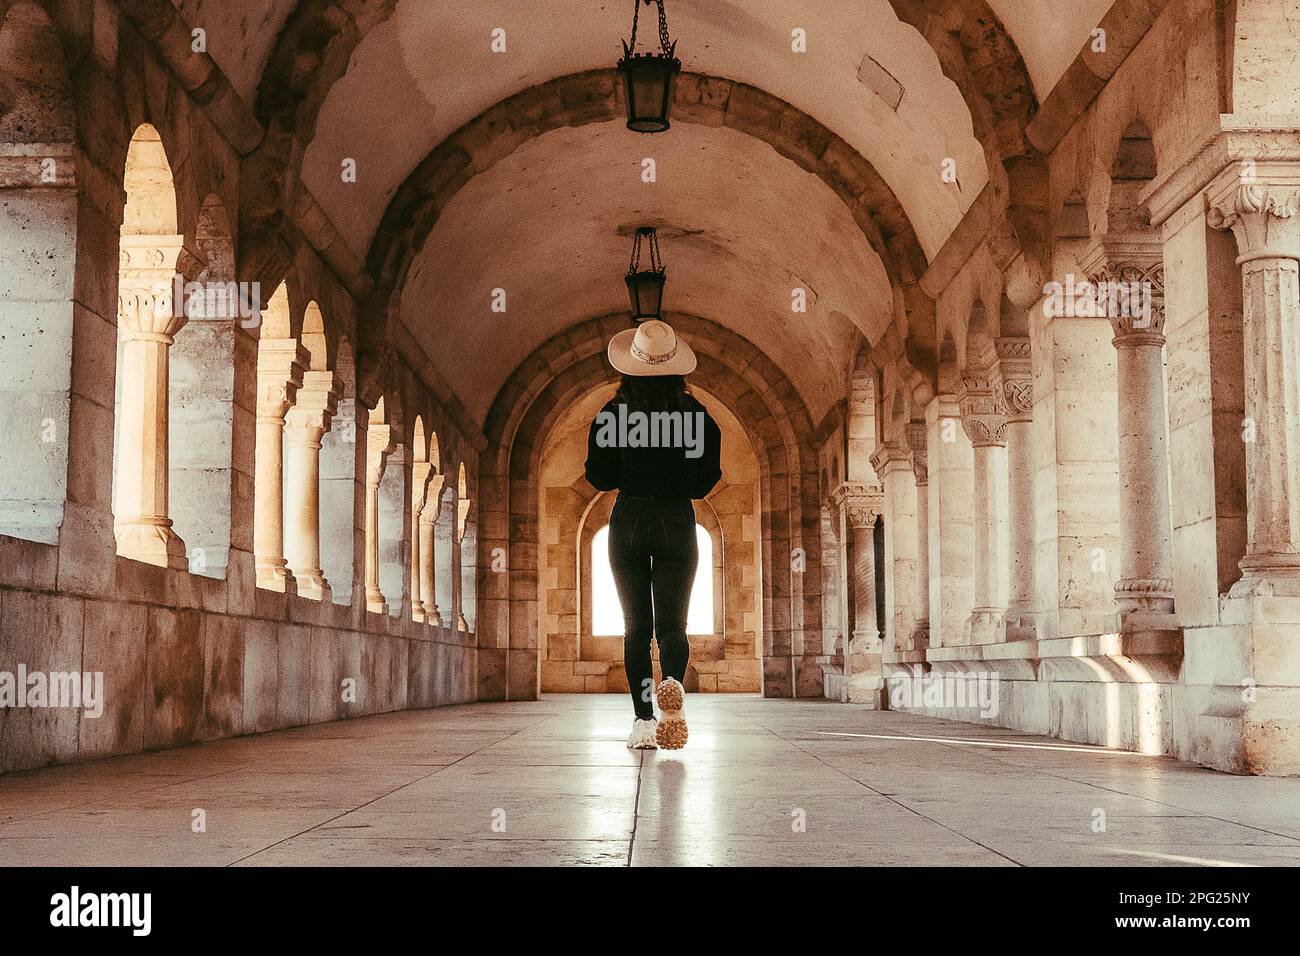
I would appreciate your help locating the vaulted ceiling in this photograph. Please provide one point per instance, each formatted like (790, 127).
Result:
(904, 84)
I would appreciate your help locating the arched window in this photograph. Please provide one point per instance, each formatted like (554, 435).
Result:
(607, 613)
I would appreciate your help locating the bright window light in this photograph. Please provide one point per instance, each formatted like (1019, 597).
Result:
(607, 614)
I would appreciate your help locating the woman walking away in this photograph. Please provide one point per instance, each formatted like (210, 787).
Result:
(660, 448)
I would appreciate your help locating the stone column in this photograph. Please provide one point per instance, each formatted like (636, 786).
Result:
(280, 366)
(862, 504)
(1015, 378)
(378, 444)
(147, 321)
(985, 421)
(462, 522)
(420, 473)
(903, 600)
(1128, 272)
(916, 432)
(428, 568)
(1263, 212)
(305, 425)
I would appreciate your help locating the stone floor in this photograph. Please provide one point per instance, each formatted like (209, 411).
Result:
(762, 781)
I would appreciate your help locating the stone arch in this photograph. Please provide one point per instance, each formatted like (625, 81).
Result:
(38, 217)
(725, 651)
(151, 256)
(746, 382)
(316, 44)
(1132, 169)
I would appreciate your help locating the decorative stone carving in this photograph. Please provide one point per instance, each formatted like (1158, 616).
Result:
(915, 436)
(1015, 378)
(983, 414)
(861, 503)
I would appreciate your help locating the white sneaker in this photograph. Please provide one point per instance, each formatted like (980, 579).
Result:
(643, 735)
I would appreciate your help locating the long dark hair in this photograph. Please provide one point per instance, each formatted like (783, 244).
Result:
(655, 393)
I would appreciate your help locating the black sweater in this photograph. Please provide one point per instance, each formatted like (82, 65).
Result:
(623, 458)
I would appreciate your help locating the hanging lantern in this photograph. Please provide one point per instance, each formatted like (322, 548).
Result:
(645, 287)
(649, 78)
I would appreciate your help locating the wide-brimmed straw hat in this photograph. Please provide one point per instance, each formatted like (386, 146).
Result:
(652, 348)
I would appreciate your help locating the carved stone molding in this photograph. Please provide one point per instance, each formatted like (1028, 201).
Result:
(280, 367)
(915, 435)
(379, 442)
(862, 504)
(1128, 273)
(421, 471)
(1015, 378)
(888, 453)
(1260, 203)
(432, 505)
(983, 414)
(313, 409)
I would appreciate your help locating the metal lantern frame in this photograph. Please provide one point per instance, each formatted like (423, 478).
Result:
(645, 287)
(649, 79)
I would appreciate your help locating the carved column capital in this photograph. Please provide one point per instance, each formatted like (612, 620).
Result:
(313, 409)
(432, 505)
(887, 454)
(1260, 203)
(862, 504)
(379, 442)
(421, 471)
(915, 437)
(1127, 274)
(983, 415)
(280, 367)
(1015, 378)
(148, 266)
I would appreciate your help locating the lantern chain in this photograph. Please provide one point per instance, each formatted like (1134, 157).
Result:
(664, 40)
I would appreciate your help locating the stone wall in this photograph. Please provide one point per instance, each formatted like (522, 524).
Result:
(186, 658)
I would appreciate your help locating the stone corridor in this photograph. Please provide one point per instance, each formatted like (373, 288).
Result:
(304, 308)
(550, 782)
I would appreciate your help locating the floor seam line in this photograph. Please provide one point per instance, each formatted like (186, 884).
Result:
(891, 798)
(367, 803)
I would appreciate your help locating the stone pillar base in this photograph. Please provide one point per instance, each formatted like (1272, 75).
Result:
(1145, 594)
(312, 584)
(868, 691)
(986, 625)
(153, 542)
(1269, 575)
(276, 576)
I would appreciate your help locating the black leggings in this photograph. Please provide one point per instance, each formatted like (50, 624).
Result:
(653, 554)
